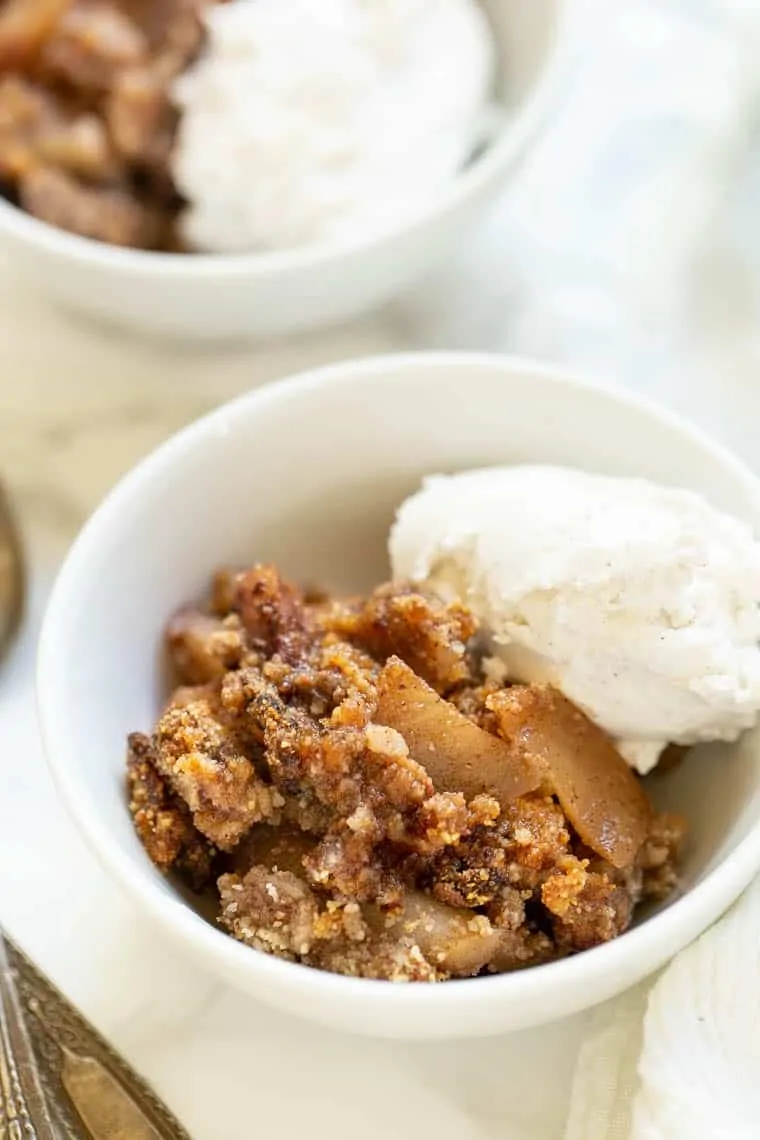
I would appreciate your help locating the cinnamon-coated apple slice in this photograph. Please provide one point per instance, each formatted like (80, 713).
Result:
(457, 754)
(600, 795)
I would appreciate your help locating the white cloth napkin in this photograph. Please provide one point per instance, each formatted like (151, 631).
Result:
(700, 1064)
(690, 1071)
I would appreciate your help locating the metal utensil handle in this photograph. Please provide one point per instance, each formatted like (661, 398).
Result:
(91, 1092)
(12, 575)
(24, 1113)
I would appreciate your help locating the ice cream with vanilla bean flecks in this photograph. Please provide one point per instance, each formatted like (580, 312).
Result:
(640, 602)
(308, 122)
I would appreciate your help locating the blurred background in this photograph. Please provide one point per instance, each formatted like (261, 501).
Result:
(626, 243)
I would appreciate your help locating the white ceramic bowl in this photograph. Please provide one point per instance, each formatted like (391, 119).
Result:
(308, 473)
(231, 296)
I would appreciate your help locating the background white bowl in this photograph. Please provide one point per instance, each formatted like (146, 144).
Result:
(308, 473)
(250, 295)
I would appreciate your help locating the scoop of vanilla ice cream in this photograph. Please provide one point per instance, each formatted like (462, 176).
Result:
(316, 120)
(639, 602)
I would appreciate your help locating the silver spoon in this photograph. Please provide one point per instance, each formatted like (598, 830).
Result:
(12, 576)
(59, 1080)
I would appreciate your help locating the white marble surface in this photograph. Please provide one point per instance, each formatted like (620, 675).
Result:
(676, 317)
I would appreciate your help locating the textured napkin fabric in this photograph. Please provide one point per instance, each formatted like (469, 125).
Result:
(606, 1080)
(700, 1063)
(683, 1064)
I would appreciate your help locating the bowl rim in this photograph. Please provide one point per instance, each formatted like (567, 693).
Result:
(633, 955)
(483, 171)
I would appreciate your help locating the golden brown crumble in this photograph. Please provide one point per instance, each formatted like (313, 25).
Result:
(363, 799)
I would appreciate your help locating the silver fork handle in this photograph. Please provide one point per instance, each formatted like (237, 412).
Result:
(24, 1112)
(59, 1080)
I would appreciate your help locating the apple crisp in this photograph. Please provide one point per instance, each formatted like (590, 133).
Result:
(87, 121)
(361, 797)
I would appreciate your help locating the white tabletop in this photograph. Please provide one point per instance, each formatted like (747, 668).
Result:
(80, 404)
